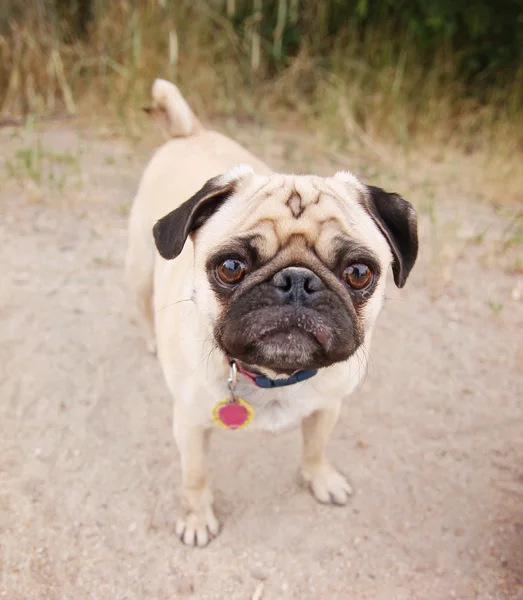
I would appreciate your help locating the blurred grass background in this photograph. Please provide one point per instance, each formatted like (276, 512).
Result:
(409, 72)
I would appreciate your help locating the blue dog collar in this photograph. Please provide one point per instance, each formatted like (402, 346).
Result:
(265, 382)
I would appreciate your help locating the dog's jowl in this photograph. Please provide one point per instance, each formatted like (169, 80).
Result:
(259, 292)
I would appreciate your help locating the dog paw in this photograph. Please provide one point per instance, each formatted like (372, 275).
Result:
(327, 485)
(197, 530)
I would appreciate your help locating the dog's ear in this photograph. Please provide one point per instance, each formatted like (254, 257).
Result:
(171, 231)
(398, 222)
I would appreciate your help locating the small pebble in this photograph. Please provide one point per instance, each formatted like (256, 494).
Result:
(258, 592)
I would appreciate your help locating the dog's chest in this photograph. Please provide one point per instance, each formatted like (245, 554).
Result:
(272, 409)
(276, 409)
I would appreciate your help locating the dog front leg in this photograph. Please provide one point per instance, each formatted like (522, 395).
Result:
(199, 524)
(326, 484)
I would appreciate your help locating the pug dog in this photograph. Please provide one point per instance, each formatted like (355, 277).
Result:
(259, 291)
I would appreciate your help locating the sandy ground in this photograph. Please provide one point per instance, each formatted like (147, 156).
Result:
(89, 475)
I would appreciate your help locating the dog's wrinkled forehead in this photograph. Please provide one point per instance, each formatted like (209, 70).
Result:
(280, 207)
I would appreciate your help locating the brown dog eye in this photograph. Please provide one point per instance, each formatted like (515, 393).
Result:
(357, 276)
(230, 271)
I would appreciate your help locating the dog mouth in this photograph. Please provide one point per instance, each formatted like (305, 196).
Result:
(289, 351)
(291, 324)
(285, 341)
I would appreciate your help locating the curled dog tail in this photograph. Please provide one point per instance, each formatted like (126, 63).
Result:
(172, 110)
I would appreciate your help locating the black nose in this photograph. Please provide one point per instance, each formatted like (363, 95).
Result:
(297, 283)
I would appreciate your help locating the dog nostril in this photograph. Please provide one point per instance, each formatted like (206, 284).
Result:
(307, 286)
(286, 284)
(312, 284)
(283, 281)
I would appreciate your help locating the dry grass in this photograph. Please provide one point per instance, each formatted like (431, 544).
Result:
(363, 102)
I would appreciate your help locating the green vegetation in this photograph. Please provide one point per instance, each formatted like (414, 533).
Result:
(418, 73)
(39, 164)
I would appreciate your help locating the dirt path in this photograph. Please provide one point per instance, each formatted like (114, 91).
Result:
(433, 443)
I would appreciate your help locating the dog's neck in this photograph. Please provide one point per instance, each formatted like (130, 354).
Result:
(269, 379)
(262, 371)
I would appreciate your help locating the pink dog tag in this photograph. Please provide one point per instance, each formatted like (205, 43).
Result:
(232, 414)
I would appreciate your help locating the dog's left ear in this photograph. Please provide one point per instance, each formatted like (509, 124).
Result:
(398, 222)
(171, 232)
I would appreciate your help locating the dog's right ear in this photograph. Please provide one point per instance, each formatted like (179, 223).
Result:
(171, 232)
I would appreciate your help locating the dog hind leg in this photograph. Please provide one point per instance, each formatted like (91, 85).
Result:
(139, 274)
